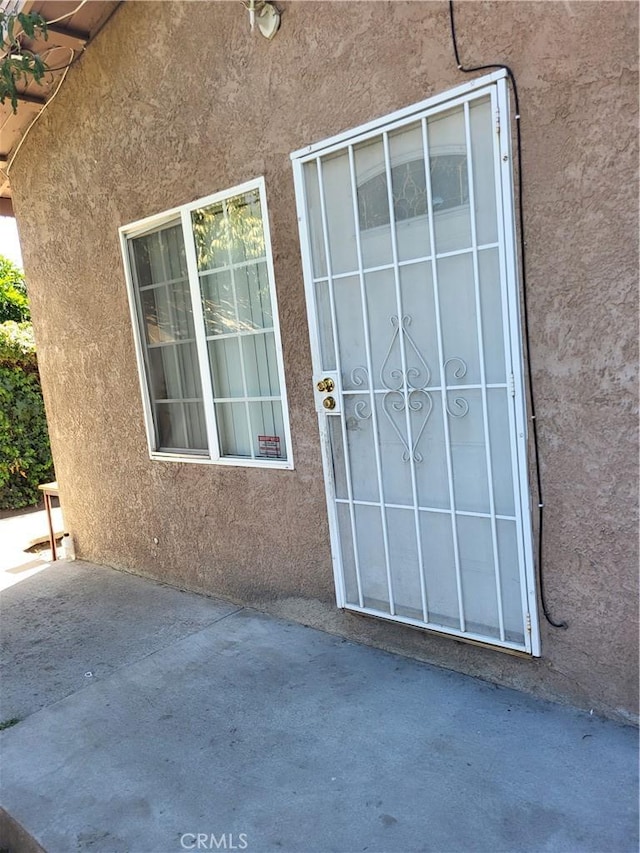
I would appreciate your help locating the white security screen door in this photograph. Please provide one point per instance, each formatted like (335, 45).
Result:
(407, 235)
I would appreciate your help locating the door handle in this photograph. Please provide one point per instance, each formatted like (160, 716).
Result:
(326, 384)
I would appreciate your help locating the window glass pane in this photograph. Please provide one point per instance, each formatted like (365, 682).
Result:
(233, 432)
(267, 430)
(168, 338)
(226, 370)
(260, 365)
(253, 297)
(171, 426)
(181, 426)
(218, 303)
(166, 312)
(229, 343)
(174, 372)
(159, 256)
(236, 299)
(229, 232)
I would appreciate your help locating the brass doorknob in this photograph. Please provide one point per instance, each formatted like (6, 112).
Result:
(326, 385)
(329, 402)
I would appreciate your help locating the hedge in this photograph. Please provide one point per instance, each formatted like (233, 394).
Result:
(25, 454)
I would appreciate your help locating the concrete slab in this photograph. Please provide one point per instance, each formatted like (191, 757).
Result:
(22, 530)
(74, 622)
(257, 734)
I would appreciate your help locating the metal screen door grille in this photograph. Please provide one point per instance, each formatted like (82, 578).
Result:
(413, 309)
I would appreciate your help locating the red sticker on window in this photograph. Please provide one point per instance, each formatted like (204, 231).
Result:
(269, 445)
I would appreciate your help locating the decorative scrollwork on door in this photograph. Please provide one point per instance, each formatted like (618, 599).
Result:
(409, 389)
(461, 403)
(406, 390)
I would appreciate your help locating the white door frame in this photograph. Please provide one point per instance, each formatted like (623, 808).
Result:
(495, 85)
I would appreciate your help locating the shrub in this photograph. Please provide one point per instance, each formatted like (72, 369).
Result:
(14, 304)
(25, 454)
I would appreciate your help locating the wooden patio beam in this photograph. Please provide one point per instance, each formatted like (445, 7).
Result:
(66, 37)
(6, 207)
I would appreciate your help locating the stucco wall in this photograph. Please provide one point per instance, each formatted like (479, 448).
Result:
(175, 101)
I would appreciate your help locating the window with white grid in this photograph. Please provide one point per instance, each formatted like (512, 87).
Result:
(203, 301)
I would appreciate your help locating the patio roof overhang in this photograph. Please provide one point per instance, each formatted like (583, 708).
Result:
(73, 25)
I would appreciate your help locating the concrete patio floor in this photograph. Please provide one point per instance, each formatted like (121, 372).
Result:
(153, 721)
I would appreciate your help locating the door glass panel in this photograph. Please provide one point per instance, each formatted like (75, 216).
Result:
(325, 326)
(478, 575)
(468, 455)
(360, 447)
(458, 320)
(431, 472)
(410, 193)
(491, 312)
(403, 551)
(510, 580)
(420, 331)
(498, 417)
(449, 180)
(373, 203)
(347, 553)
(353, 355)
(371, 557)
(440, 569)
(314, 214)
(382, 309)
(482, 157)
(394, 454)
(334, 423)
(336, 180)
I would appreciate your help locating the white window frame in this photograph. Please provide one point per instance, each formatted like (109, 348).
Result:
(183, 214)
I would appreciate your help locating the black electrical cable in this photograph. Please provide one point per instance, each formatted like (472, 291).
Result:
(523, 272)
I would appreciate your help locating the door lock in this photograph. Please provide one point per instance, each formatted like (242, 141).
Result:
(329, 402)
(327, 385)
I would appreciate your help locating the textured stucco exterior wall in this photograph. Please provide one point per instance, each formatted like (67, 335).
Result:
(175, 101)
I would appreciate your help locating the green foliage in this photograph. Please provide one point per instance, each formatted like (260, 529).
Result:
(14, 304)
(17, 64)
(25, 454)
